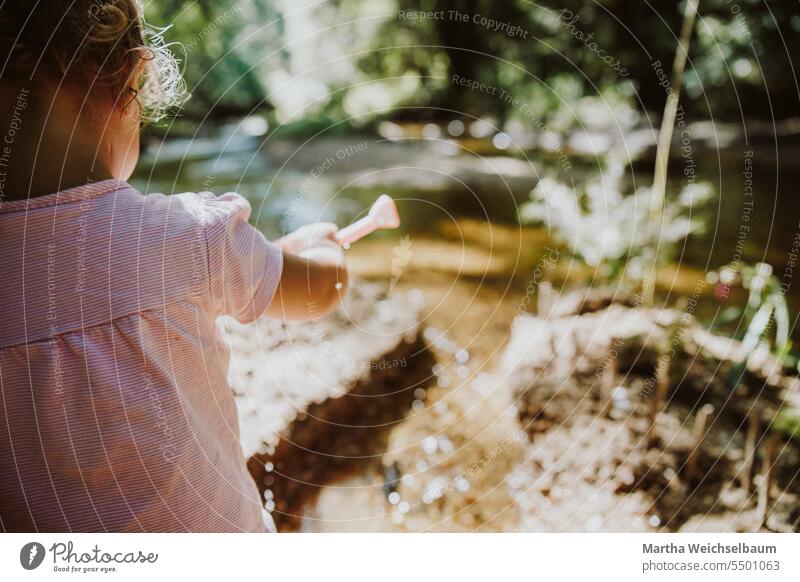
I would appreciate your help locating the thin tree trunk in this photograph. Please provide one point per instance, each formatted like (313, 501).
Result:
(665, 136)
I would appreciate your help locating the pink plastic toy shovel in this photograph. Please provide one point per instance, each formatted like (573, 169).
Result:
(383, 214)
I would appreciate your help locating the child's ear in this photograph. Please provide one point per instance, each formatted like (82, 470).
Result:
(130, 101)
(137, 76)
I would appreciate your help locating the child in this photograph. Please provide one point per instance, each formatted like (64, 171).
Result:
(115, 413)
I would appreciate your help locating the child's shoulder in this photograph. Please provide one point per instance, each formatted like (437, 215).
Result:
(205, 207)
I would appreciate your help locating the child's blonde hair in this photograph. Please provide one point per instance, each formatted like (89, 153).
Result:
(94, 45)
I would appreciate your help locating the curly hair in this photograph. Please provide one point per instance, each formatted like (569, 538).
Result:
(96, 45)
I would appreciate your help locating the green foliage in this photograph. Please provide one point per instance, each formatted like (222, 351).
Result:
(766, 315)
(610, 229)
(221, 45)
(787, 422)
(361, 58)
(764, 320)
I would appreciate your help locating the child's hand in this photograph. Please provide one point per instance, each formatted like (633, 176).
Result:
(319, 234)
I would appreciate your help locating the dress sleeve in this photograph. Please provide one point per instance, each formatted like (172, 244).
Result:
(244, 267)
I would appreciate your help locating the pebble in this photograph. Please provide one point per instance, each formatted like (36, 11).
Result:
(430, 445)
(436, 488)
(430, 333)
(445, 445)
(619, 397)
(514, 481)
(462, 356)
(420, 393)
(385, 314)
(418, 406)
(394, 498)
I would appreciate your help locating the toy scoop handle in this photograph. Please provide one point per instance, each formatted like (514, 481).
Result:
(383, 214)
(358, 230)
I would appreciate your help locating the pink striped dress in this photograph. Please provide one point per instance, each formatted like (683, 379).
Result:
(115, 412)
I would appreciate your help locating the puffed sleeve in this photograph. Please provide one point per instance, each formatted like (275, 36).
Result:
(244, 267)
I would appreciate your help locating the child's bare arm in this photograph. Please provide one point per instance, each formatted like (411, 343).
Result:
(314, 275)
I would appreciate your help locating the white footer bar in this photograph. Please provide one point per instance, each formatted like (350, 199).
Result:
(401, 557)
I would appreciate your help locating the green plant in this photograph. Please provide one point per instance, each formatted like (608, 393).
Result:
(766, 309)
(610, 230)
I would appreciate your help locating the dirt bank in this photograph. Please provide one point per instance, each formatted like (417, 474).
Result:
(505, 421)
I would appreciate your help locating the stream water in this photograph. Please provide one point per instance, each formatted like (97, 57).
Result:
(291, 182)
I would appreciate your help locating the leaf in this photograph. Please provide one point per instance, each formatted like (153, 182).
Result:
(781, 323)
(755, 329)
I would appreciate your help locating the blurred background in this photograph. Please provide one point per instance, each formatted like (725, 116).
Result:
(519, 139)
(543, 87)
